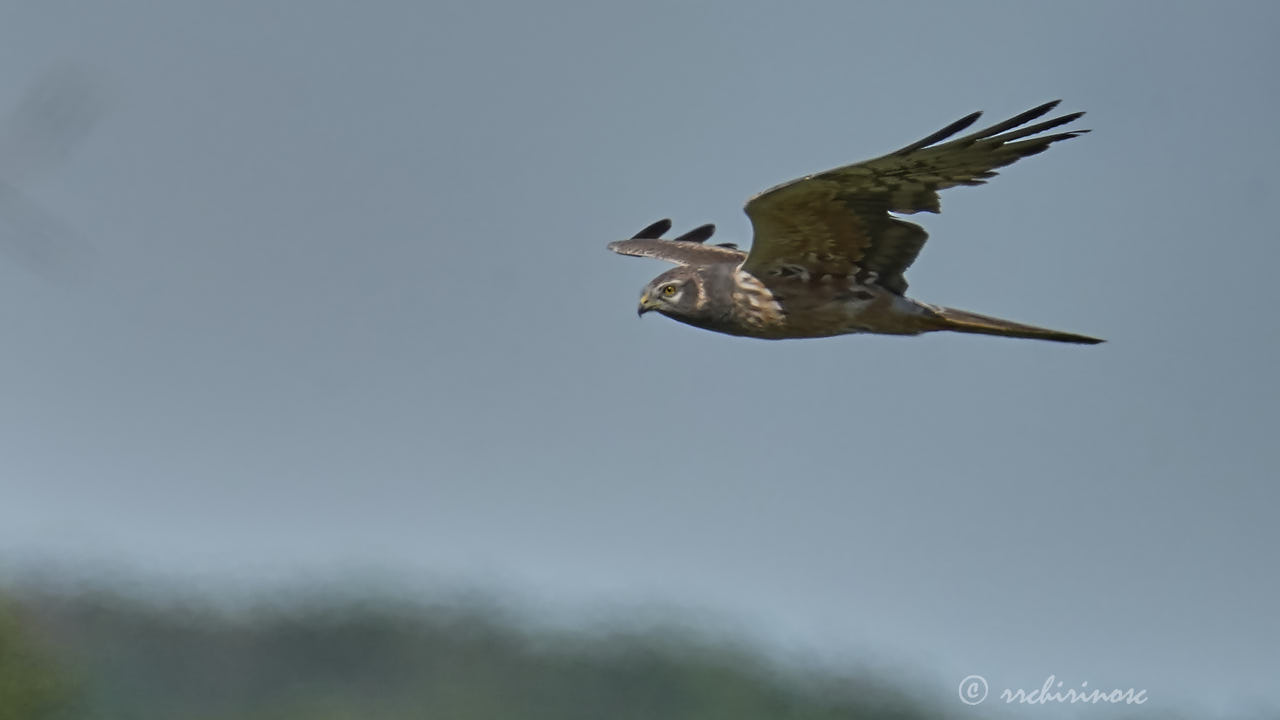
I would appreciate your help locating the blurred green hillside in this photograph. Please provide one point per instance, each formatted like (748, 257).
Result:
(108, 657)
(32, 687)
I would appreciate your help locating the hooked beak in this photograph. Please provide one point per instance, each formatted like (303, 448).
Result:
(645, 305)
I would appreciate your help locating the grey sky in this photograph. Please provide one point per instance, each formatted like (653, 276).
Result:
(344, 303)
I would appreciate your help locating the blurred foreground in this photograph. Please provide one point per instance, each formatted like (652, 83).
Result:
(95, 654)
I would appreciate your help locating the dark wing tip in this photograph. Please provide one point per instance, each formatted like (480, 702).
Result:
(1003, 132)
(699, 234)
(942, 134)
(654, 230)
(1067, 337)
(1031, 114)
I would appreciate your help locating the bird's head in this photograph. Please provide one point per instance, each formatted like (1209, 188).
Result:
(678, 293)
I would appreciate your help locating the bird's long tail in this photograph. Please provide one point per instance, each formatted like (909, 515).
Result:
(967, 322)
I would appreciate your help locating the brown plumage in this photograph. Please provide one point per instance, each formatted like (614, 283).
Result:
(828, 257)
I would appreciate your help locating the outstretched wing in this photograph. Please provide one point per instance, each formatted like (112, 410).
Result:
(838, 222)
(688, 249)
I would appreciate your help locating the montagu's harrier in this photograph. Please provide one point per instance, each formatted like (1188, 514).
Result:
(828, 255)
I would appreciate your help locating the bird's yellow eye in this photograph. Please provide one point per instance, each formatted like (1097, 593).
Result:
(669, 290)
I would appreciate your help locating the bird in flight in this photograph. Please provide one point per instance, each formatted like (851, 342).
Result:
(828, 253)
